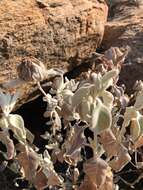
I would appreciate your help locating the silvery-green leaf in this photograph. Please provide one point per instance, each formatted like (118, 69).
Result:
(101, 117)
(107, 79)
(96, 79)
(67, 96)
(139, 101)
(57, 119)
(140, 119)
(84, 110)
(16, 124)
(7, 102)
(29, 136)
(96, 88)
(94, 91)
(71, 84)
(3, 123)
(108, 99)
(82, 92)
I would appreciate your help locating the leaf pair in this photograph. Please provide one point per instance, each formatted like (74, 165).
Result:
(38, 170)
(115, 151)
(73, 145)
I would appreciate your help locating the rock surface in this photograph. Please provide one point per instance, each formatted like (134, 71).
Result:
(125, 29)
(57, 32)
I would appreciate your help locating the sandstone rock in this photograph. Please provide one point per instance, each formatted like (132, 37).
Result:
(125, 29)
(57, 32)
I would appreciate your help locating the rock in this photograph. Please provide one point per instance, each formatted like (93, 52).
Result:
(57, 32)
(125, 30)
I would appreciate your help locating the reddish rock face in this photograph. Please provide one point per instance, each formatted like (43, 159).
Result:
(54, 31)
(125, 29)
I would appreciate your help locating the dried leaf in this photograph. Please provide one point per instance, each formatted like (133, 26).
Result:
(73, 145)
(120, 161)
(135, 129)
(108, 185)
(109, 143)
(40, 180)
(99, 174)
(114, 149)
(5, 139)
(115, 55)
(31, 69)
(96, 169)
(28, 160)
(138, 143)
(87, 184)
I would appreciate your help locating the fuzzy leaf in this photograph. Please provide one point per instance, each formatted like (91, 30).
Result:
(108, 99)
(7, 102)
(81, 93)
(96, 80)
(16, 124)
(135, 129)
(107, 79)
(101, 118)
(29, 136)
(84, 110)
(3, 123)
